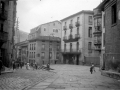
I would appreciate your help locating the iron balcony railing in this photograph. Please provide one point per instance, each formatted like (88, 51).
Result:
(64, 27)
(71, 50)
(77, 24)
(71, 26)
(77, 36)
(97, 41)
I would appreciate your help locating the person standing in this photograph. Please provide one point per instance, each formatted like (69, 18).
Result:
(13, 64)
(1, 64)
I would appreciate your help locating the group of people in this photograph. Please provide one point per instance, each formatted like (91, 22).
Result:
(33, 65)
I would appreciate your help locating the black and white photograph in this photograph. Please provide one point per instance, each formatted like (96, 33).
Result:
(59, 44)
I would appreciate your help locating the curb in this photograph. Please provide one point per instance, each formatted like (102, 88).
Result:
(110, 74)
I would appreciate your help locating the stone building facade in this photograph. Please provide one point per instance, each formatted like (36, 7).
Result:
(77, 41)
(44, 41)
(7, 21)
(111, 8)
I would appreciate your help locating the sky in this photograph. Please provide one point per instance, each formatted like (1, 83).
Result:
(32, 13)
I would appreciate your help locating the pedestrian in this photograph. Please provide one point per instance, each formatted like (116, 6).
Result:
(13, 65)
(1, 64)
(36, 66)
(92, 68)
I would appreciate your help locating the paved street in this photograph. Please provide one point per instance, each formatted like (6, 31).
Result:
(22, 79)
(72, 77)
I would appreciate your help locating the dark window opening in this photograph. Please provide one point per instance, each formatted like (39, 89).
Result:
(90, 32)
(114, 14)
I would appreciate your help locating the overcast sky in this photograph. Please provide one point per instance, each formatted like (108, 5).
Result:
(32, 13)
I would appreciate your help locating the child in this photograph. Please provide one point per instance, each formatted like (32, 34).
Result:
(92, 68)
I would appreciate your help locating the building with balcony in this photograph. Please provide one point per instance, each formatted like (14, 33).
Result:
(111, 41)
(98, 29)
(44, 43)
(77, 41)
(7, 21)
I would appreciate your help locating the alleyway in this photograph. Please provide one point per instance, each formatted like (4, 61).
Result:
(72, 77)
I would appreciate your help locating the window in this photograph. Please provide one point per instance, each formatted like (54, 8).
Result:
(50, 55)
(44, 29)
(43, 55)
(65, 32)
(70, 46)
(34, 46)
(50, 47)
(57, 55)
(90, 47)
(56, 30)
(43, 46)
(77, 30)
(30, 46)
(77, 45)
(77, 18)
(54, 24)
(2, 27)
(70, 31)
(103, 39)
(114, 14)
(30, 55)
(90, 32)
(65, 23)
(34, 54)
(58, 47)
(71, 21)
(104, 20)
(64, 46)
(90, 19)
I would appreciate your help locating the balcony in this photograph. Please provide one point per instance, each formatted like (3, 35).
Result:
(97, 12)
(64, 38)
(97, 48)
(77, 24)
(71, 51)
(71, 26)
(98, 30)
(3, 36)
(3, 14)
(72, 39)
(77, 36)
(64, 27)
(97, 42)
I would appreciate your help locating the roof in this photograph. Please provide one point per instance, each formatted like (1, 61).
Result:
(101, 5)
(23, 43)
(50, 22)
(83, 11)
(46, 38)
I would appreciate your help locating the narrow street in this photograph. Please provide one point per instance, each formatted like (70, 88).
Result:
(72, 77)
(63, 77)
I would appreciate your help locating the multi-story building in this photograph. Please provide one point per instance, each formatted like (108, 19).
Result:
(111, 9)
(77, 42)
(44, 49)
(22, 51)
(7, 21)
(44, 43)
